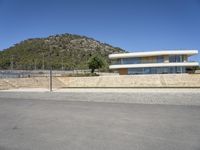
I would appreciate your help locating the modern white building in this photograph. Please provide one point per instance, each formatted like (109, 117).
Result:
(154, 62)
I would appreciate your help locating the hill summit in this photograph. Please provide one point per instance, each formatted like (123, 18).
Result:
(67, 50)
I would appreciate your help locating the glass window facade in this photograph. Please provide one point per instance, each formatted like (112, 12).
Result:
(156, 70)
(131, 60)
(116, 62)
(126, 61)
(135, 71)
(175, 58)
(160, 59)
(142, 60)
(152, 70)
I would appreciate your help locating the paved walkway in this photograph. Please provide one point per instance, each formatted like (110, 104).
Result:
(108, 90)
(141, 96)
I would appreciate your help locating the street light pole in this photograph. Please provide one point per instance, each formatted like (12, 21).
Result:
(35, 61)
(50, 82)
(50, 71)
(43, 61)
(11, 63)
(62, 63)
(61, 53)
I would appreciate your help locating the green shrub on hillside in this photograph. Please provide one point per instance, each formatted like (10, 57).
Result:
(67, 50)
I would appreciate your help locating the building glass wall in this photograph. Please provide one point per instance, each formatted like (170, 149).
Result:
(160, 59)
(156, 70)
(176, 58)
(139, 60)
(131, 61)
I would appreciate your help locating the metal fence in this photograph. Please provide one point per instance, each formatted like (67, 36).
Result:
(38, 73)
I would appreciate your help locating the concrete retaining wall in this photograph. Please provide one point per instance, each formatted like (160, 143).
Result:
(165, 80)
(34, 82)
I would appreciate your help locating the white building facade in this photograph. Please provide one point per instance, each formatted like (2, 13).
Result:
(155, 62)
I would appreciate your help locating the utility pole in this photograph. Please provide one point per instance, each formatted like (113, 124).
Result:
(35, 67)
(11, 62)
(50, 84)
(50, 71)
(62, 63)
(61, 52)
(42, 61)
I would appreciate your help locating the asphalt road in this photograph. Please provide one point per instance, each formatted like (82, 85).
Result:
(27, 124)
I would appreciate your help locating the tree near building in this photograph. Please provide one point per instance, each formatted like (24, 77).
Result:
(96, 62)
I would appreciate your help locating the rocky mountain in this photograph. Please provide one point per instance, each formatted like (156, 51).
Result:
(67, 50)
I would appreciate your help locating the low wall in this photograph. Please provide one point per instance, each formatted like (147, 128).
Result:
(33, 82)
(126, 81)
(164, 80)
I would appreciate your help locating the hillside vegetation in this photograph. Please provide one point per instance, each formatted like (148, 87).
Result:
(67, 51)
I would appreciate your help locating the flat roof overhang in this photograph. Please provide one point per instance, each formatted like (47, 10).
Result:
(153, 53)
(182, 64)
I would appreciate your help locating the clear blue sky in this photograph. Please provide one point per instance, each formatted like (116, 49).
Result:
(134, 25)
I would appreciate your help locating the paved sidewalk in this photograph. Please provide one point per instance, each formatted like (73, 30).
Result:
(108, 90)
(139, 96)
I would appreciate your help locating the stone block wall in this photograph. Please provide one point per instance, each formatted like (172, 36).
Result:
(165, 80)
(125, 81)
